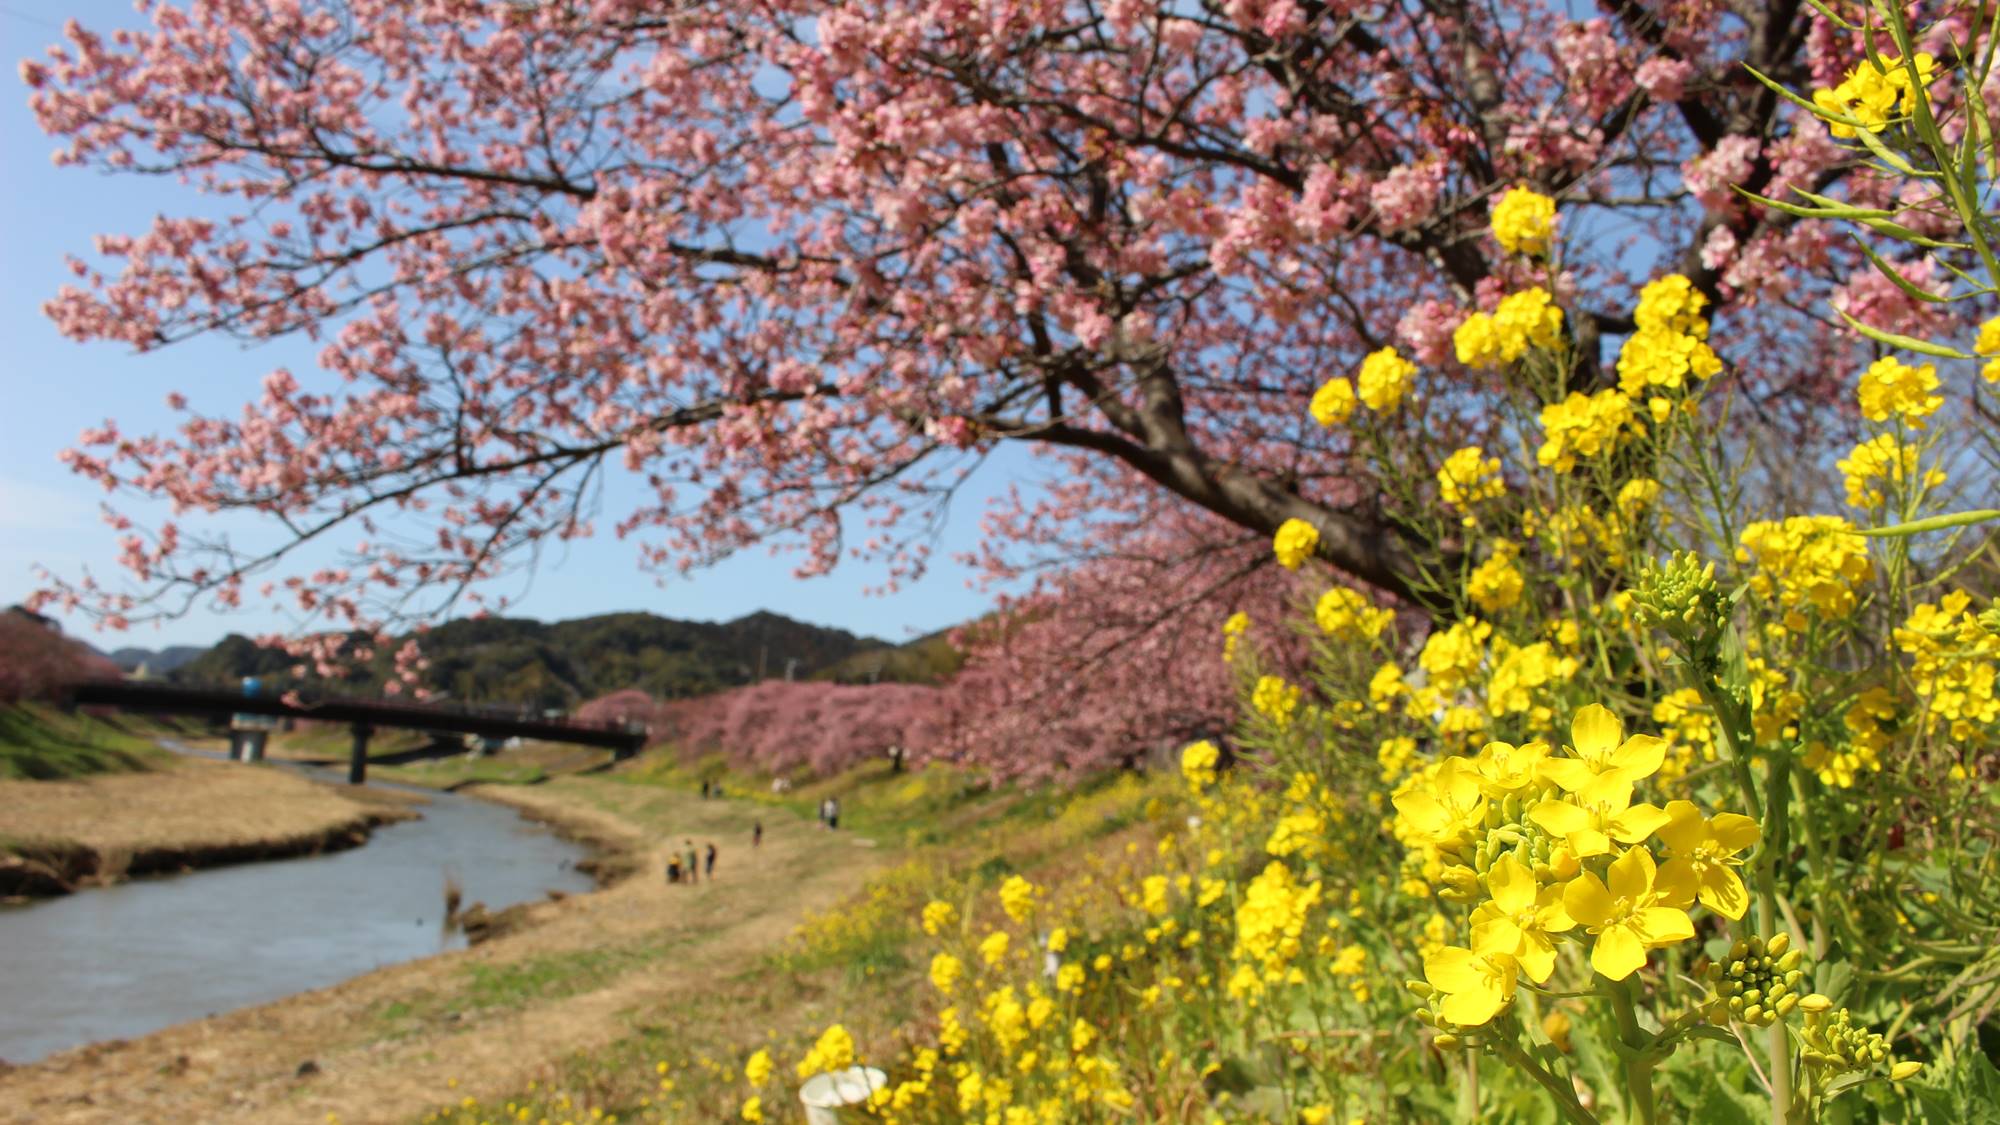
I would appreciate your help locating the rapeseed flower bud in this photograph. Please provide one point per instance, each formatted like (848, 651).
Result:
(1759, 983)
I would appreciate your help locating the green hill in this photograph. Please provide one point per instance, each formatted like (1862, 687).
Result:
(560, 665)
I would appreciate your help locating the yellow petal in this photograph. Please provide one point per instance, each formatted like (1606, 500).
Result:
(1537, 957)
(1570, 773)
(1677, 883)
(1636, 823)
(1500, 935)
(1512, 885)
(1640, 756)
(1470, 1009)
(1661, 925)
(1631, 874)
(1595, 732)
(1453, 969)
(1559, 818)
(1587, 900)
(1724, 893)
(1685, 829)
(1588, 842)
(1735, 831)
(1618, 953)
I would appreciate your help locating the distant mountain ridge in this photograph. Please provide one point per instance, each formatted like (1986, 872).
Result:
(157, 661)
(565, 663)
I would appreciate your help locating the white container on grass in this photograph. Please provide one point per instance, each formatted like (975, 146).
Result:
(825, 1095)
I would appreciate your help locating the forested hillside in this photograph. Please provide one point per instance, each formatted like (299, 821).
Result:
(560, 665)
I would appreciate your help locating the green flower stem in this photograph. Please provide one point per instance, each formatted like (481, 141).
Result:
(1734, 721)
(1564, 1093)
(1638, 1068)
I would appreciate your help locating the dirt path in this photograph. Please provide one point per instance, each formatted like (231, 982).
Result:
(388, 1046)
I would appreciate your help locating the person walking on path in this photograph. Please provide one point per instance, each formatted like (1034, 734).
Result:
(757, 835)
(833, 812)
(709, 868)
(692, 867)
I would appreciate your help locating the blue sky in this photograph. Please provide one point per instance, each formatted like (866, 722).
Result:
(54, 388)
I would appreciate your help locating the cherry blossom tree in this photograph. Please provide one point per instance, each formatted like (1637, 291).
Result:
(36, 660)
(799, 266)
(780, 726)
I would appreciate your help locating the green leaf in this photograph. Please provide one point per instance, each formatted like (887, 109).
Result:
(1933, 523)
(1901, 342)
(1897, 279)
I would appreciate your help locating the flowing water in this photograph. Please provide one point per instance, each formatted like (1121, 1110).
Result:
(119, 961)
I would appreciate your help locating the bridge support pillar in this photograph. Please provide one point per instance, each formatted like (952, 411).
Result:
(357, 766)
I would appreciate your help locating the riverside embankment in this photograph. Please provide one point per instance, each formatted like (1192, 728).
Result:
(57, 836)
(568, 975)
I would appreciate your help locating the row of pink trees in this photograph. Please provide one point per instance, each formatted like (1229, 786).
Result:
(37, 660)
(780, 726)
(797, 265)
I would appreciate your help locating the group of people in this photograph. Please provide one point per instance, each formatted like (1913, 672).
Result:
(686, 866)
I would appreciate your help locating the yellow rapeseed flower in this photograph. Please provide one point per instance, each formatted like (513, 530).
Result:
(1637, 911)
(1275, 699)
(1232, 632)
(1017, 898)
(1589, 819)
(946, 972)
(1475, 985)
(1383, 379)
(1702, 851)
(1333, 403)
(1294, 543)
(1348, 615)
(1469, 476)
(1524, 221)
(1519, 918)
(1597, 737)
(1892, 387)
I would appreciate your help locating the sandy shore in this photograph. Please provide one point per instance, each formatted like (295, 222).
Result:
(387, 1046)
(56, 836)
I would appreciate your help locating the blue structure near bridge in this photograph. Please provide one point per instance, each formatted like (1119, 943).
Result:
(362, 716)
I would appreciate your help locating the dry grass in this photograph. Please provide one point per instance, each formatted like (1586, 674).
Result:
(191, 806)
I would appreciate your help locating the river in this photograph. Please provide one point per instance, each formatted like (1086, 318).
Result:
(120, 961)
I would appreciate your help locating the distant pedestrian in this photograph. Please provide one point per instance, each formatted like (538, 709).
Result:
(825, 810)
(709, 868)
(704, 789)
(832, 812)
(757, 835)
(673, 869)
(693, 868)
